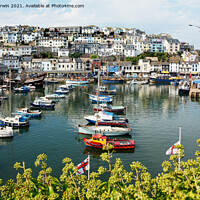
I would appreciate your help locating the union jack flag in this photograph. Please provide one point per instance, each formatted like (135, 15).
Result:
(83, 166)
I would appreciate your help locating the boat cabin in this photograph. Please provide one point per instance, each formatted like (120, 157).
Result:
(98, 138)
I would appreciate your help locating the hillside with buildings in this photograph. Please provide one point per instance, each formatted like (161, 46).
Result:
(88, 49)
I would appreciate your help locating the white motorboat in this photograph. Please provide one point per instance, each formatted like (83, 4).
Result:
(55, 96)
(6, 132)
(16, 121)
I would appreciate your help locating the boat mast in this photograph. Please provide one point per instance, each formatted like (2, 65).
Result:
(10, 88)
(89, 166)
(179, 156)
(97, 99)
(107, 69)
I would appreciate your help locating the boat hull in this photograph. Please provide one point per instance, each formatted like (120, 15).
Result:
(89, 131)
(113, 110)
(117, 144)
(75, 82)
(17, 124)
(100, 99)
(112, 81)
(6, 132)
(30, 114)
(51, 106)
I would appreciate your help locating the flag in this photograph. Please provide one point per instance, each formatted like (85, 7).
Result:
(83, 166)
(172, 150)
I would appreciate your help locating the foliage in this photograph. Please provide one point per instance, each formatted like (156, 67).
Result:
(93, 56)
(75, 55)
(47, 54)
(164, 57)
(175, 182)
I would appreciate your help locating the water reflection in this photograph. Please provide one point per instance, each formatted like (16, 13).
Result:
(5, 141)
(97, 152)
(21, 131)
(154, 113)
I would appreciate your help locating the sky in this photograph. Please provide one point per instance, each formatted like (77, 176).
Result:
(152, 16)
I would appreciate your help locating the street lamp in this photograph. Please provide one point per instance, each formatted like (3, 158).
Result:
(194, 25)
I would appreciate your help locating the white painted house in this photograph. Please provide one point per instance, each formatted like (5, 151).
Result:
(63, 52)
(52, 42)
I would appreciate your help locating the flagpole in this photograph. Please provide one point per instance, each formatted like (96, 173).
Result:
(179, 158)
(88, 166)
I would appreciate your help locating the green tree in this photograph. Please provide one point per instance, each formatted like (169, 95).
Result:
(75, 55)
(93, 56)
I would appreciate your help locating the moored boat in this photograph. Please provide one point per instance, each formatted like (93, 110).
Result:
(104, 116)
(55, 96)
(77, 81)
(105, 130)
(16, 121)
(23, 89)
(104, 91)
(29, 113)
(30, 87)
(6, 132)
(99, 141)
(113, 80)
(37, 81)
(39, 103)
(166, 79)
(101, 98)
(67, 87)
(51, 82)
(110, 108)
(61, 91)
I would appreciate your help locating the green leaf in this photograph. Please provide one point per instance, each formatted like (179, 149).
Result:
(51, 190)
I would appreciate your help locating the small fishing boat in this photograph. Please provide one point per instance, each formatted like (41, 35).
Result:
(23, 89)
(104, 91)
(77, 81)
(139, 82)
(38, 81)
(51, 82)
(55, 96)
(110, 108)
(67, 87)
(29, 113)
(16, 121)
(30, 87)
(101, 98)
(99, 141)
(61, 91)
(113, 80)
(113, 124)
(6, 132)
(104, 116)
(105, 130)
(40, 103)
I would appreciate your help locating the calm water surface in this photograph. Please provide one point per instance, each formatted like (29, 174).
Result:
(154, 112)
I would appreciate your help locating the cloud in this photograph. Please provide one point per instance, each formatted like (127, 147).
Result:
(44, 1)
(153, 16)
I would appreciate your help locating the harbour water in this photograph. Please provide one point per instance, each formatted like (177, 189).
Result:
(155, 113)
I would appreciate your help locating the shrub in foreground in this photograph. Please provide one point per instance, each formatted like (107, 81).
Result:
(175, 182)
